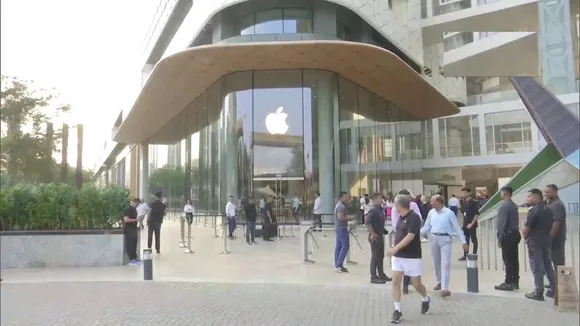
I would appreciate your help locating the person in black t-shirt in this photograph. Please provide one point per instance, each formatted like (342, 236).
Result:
(156, 214)
(250, 213)
(268, 219)
(406, 255)
(130, 221)
(470, 215)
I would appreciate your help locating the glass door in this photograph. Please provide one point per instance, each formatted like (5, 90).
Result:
(287, 194)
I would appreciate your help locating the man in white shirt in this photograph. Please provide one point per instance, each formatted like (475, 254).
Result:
(317, 210)
(231, 215)
(142, 211)
(364, 200)
(454, 204)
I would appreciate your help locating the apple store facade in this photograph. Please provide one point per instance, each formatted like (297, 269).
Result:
(282, 102)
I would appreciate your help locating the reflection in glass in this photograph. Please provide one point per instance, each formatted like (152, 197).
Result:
(276, 21)
(459, 136)
(508, 132)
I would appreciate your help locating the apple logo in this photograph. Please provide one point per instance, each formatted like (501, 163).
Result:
(276, 122)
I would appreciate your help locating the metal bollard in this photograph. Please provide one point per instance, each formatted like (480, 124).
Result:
(182, 240)
(205, 220)
(352, 236)
(225, 236)
(188, 250)
(472, 274)
(147, 265)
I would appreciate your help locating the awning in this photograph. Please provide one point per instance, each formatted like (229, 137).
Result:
(179, 79)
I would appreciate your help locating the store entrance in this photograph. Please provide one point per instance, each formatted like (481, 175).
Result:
(284, 190)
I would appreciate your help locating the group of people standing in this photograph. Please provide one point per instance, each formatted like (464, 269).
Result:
(134, 216)
(544, 232)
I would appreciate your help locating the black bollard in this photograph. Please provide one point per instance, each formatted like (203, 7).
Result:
(147, 265)
(472, 274)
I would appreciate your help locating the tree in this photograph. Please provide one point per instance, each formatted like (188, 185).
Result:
(170, 181)
(26, 149)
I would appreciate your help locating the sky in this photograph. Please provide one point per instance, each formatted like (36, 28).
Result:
(89, 51)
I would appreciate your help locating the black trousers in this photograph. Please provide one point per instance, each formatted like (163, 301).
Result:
(154, 227)
(189, 217)
(377, 257)
(558, 254)
(510, 256)
(131, 239)
(318, 219)
(267, 228)
(471, 235)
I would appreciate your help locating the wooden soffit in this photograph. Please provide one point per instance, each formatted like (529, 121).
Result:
(179, 79)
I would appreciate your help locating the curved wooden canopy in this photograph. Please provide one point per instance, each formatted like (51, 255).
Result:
(179, 79)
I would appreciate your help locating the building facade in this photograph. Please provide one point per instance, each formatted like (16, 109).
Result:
(290, 98)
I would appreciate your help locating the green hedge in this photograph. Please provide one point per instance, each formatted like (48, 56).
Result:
(61, 207)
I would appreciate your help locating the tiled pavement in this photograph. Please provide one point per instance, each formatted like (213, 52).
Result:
(264, 283)
(169, 303)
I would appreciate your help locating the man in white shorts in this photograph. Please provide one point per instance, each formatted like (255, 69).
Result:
(406, 256)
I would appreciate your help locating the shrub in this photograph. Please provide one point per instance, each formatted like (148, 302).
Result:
(61, 207)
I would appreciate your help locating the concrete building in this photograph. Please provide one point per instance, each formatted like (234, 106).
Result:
(256, 97)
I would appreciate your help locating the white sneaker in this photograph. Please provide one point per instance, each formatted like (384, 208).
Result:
(424, 240)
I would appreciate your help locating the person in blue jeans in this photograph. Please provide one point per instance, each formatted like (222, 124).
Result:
(341, 227)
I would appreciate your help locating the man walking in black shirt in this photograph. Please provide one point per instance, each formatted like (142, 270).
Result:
(156, 214)
(470, 215)
(375, 223)
(508, 239)
(250, 212)
(537, 234)
(406, 256)
(130, 221)
(558, 227)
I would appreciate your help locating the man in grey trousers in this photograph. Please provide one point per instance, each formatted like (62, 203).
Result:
(442, 223)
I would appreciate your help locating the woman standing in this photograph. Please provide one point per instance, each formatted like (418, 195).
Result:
(188, 210)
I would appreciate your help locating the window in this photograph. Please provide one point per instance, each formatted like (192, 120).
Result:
(276, 21)
(459, 136)
(508, 132)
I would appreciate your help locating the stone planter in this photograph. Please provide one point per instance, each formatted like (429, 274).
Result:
(62, 248)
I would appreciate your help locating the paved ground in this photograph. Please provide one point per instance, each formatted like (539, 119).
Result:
(139, 303)
(208, 288)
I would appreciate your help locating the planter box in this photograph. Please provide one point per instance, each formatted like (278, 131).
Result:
(62, 248)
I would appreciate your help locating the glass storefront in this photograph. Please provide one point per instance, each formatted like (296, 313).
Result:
(459, 136)
(276, 21)
(289, 134)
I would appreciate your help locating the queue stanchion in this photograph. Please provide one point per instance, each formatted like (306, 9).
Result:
(205, 220)
(225, 250)
(305, 239)
(353, 236)
(182, 234)
(189, 236)
(214, 222)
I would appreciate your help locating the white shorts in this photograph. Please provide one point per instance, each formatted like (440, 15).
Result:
(409, 266)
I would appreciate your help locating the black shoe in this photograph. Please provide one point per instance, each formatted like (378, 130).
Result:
(550, 294)
(158, 252)
(341, 269)
(396, 317)
(462, 258)
(425, 305)
(385, 278)
(376, 280)
(405, 290)
(504, 287)
(248, 242)
(538, 296)
(254, 242)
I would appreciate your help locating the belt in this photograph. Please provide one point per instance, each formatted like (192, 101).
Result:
(440, 234)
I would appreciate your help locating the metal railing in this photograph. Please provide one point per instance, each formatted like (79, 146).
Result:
(490, 254)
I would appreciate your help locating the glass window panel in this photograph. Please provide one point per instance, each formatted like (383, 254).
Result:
(508, 132)
(269, 22)
(247, 25)
(297, 21)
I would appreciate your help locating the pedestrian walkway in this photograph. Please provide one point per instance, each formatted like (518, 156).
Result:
(253, 284)
(169, 303)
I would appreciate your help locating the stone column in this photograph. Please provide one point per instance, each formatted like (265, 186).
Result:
(231, 145)
(144, 172)
(325, 108)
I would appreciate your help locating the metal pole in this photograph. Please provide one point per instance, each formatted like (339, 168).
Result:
(494, 245)
(306, 236)
(215, 232)
(188, 250)
(225, 236)
(472, 274)
(147, 265)
(205, 220)
(182, 234)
